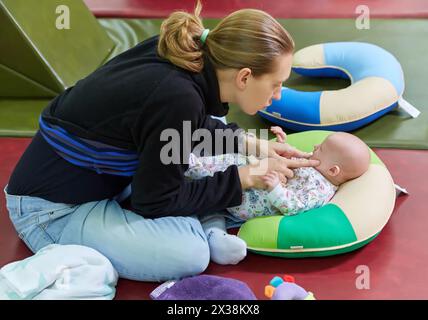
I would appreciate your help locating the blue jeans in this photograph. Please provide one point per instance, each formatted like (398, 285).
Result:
(139, 248)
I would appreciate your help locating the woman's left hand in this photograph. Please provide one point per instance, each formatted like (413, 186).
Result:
(273, 149)
(269, 148)
(277, 150)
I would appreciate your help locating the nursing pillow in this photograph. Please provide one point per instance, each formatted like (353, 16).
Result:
(353, 217)
(377, 86)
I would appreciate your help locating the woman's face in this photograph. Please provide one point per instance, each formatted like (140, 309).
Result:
(257, 93)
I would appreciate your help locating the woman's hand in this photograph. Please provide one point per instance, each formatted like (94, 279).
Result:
(267, 148)
(277, 150)
(280, 150)
(251, 176)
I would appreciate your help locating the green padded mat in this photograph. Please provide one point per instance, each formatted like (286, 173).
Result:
(405, 38)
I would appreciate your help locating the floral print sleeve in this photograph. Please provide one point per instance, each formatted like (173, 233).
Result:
(285, 200)
(200, 167)
(307, 190)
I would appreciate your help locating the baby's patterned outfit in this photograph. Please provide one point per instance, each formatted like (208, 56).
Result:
(308, 188)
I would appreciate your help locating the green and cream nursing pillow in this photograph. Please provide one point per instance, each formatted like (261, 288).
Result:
(355, 215)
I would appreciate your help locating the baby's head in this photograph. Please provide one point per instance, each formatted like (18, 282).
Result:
(342, 157)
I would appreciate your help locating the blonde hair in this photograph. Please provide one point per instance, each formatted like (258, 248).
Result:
(246, 38)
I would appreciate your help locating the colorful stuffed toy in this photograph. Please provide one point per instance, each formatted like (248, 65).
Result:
(285, 288)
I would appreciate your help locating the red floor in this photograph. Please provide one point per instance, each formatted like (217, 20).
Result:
(278, 9)
(397, 259)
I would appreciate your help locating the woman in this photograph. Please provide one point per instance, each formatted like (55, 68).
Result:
(105, 133)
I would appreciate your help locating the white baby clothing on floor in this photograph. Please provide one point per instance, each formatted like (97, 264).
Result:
(59, 272)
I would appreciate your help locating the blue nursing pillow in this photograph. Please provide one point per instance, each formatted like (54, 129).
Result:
(377, 86)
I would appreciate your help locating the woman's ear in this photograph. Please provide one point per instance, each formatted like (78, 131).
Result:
(242, 78)
(334, 170)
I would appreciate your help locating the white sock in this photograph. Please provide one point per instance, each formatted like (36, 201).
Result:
(224, 248)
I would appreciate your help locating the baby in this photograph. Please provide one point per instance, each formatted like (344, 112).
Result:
(342, 157)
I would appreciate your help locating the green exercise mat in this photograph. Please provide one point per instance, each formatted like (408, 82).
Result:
(405, 38)
(45, 53)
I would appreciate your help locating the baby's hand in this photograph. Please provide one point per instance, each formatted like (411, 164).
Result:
(281, 136)
(271, 179)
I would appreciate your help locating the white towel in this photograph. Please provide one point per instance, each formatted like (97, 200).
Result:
(59, 272)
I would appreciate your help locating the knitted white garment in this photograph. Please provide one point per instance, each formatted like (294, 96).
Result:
(59, 272)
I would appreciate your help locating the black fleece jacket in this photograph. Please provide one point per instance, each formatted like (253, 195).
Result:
(127, 103)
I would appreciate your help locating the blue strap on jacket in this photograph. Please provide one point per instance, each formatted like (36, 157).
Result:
(90, 154)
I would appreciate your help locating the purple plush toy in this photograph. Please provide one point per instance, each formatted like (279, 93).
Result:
(203, 287)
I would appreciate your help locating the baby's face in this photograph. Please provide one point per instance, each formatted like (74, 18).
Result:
(342, 157)
(323, 153)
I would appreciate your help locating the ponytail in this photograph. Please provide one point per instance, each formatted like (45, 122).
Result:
(179, 39)
(246, 38)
